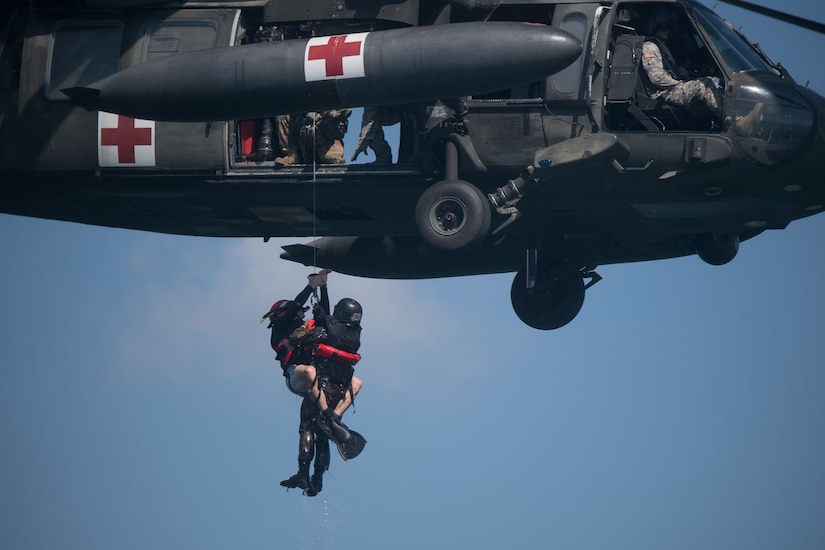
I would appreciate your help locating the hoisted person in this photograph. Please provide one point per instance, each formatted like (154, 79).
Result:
(318, 358)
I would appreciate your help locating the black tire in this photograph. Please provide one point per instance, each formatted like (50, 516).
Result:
(452, 215)
(549, 304)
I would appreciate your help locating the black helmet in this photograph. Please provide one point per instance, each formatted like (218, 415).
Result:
(281, 309)
(661, 18)
(348, 311)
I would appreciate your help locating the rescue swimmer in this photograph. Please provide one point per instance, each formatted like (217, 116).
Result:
(317, 358)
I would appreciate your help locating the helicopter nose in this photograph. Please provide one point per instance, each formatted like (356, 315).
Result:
(819, 107)
(774, 121)
(806, 184)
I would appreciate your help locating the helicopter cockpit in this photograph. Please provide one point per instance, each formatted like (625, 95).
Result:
(638, 101)
(769, 120)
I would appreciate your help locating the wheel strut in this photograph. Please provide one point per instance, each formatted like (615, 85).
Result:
(450, 160)
(593, 276)
(532, 266)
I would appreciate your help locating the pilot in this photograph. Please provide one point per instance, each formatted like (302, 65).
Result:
(328, 388)
(668, 81)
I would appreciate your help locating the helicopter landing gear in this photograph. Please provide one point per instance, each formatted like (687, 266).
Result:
(717, 248)
(452, 215)
(550, 302)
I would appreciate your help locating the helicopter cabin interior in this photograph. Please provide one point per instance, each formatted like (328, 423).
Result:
(510, 124)
(496, 118)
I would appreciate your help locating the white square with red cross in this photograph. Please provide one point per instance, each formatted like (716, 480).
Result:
(125, 141)
(332, 57)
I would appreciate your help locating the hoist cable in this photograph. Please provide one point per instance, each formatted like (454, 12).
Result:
(314, 191)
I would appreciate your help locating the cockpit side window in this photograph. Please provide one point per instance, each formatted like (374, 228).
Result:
(528, 13)
(735, 51)
(81, 53)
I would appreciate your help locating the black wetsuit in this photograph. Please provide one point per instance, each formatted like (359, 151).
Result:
(334, 379)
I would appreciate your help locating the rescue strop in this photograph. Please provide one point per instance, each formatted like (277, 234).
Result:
(335, 355)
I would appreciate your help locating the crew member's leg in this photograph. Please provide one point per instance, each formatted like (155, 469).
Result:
(348, 398)
(303, 380)
(288, 150)
(306, 450)
(698, 97)
(321, 463)
(329, 422)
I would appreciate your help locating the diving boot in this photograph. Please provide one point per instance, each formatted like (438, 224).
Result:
(300, 480)
(330, 423)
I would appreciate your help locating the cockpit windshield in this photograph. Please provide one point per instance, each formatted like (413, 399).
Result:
(736, 52)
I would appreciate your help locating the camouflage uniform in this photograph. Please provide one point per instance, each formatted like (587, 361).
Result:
(286, 153)
(322, 133)
(698, 96)
(372, 133)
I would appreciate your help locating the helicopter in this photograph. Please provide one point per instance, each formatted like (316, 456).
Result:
(528, 140)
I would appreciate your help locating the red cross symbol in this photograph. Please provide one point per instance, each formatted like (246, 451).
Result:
(333, 53)
(125, 137)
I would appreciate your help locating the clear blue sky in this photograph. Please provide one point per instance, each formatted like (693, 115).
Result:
(684, 408)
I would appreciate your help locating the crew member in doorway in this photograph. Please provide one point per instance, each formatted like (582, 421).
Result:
(321, 135)
(287, 153)
(372, 133)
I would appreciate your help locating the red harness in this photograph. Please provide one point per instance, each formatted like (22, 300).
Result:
(324, 351)
(335, 355)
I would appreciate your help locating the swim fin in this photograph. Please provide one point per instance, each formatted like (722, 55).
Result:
(349, 442)
(352, 447)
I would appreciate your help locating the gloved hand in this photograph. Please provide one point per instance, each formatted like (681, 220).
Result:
(318, 279)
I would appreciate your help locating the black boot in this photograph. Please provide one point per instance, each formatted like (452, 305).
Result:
(317, 482)
(383, 153)
(299, 480)
(330, 423)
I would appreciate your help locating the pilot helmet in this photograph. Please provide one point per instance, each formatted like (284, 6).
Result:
(661, 18)
(348, 311)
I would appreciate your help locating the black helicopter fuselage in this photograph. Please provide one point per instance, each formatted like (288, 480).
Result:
(112, 117)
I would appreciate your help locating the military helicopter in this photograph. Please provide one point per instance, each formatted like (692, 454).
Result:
(528, 140)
